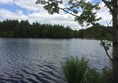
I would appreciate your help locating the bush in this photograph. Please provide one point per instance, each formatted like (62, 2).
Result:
(106, 75)
(92, 76)
(78, 71)
(74, 69)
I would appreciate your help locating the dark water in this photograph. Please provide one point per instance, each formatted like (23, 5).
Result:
(39, 60)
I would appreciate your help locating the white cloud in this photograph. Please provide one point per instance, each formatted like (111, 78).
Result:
(6, 1)
(41, 15)
(88, 0)
(104, 14)
(6, 14)
(66, 20)
(28, 4)
(45, 18)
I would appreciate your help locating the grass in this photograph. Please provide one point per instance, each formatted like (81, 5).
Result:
(77, 71)
(74, 69)
(92, 76)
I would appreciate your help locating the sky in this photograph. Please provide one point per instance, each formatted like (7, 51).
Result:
(28, 10)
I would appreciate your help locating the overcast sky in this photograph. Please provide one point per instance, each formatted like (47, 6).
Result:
(28, 10)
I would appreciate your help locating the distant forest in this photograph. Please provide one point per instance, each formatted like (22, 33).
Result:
(23, 29)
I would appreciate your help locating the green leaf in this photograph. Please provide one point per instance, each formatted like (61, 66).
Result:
(75, 11)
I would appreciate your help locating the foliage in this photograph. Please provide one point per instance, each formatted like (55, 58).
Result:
(88, 9)
(106, 44)
(88, 16)
(23, 29)
(74, 69)
(106, 75)
(92, 76)
(77, 71)
(91, 32)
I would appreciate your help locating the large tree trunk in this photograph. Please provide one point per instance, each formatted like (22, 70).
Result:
(115, 42)
(115, 62)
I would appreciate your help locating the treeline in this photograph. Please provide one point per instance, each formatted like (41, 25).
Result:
(23, 29)
(94, 33)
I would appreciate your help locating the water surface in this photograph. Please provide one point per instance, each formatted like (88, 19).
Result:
(39, 60)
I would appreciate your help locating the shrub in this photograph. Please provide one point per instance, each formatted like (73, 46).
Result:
(74, 69)
(92, 76)
(77, 71)
(106, 75)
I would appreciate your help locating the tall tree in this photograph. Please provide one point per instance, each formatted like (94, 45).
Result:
(88, 16)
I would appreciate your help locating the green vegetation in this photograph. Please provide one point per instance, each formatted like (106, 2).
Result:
(75, 69)
(23, 29)
(92, 32)
(88, 16)
(78, 71)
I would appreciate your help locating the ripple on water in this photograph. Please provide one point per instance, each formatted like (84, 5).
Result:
(46, 74)
(38, 60)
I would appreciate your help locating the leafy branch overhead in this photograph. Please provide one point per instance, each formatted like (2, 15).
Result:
(84, 12)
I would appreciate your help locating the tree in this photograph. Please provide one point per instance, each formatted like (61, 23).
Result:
(88, 17)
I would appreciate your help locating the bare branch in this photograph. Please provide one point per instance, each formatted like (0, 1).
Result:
(108, 5)
(68, 12)
(106, 50)
(98, 26)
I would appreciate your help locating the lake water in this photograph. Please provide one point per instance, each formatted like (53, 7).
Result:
(39, 60)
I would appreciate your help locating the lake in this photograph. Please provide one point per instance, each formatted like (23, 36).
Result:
(40, 60)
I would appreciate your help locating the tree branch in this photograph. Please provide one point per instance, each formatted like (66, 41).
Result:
(109, 29)
(97, 25)
(68, 12)
(106, 50)
(108, 5)
(104, 47)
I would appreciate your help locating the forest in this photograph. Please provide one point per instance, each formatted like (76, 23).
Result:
(23, 29)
